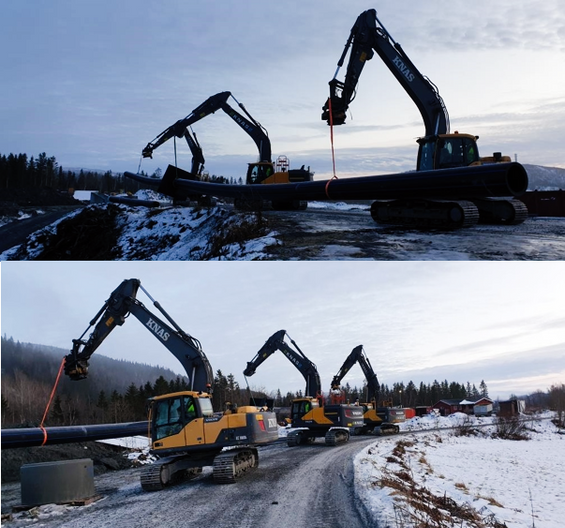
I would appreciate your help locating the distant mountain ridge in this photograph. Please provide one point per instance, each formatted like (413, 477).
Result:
(545, 178)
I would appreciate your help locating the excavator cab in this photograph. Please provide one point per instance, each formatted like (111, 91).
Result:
(446, 151)
(259, 172)
(177, 412)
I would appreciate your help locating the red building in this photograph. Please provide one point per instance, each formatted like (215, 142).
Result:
(450, 406)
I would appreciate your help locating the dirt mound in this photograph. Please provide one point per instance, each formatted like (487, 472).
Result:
(90, 235)
(104, 456)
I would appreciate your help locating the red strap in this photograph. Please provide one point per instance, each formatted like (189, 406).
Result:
(49, 402)
(332, 144)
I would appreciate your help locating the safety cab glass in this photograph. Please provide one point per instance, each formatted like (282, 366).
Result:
(206, 406)
(426, 156)
(172, 414)
(300, 408)
(457, 152)
(254, 174)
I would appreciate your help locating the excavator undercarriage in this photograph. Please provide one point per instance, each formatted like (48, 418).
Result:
(228, 466)
(448, 214)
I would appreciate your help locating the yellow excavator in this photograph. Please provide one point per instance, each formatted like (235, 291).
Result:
(311, 417)
(438, 148)
(186, 433)
(376, 420)
(264, 171)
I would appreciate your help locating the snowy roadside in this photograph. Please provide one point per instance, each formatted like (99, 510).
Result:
(167, 233)
(172, 233)
(470, 481)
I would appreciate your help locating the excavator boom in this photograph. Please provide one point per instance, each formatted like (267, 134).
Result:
(306, 367)
(214, 103)
(367, 36)
(358, 355)
(123, 302)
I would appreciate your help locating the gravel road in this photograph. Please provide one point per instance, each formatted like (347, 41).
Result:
(307, 486)
(15, 233)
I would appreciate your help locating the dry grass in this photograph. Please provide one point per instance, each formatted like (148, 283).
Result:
(511, 429)
(416, 506)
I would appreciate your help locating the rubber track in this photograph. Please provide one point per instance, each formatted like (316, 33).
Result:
(151, 478)
(336, 436)
(233, 464)
(469, 215)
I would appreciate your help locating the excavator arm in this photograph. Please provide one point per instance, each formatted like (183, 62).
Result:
(358, 355)
(296, 357)
(197, 155)
(214, 103)
(123, 302)
(367, 36)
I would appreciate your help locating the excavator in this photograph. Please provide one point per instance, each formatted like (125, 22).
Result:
(311, 418)
(438, 148)
(186, 433)
(263, 171)
(376, 419)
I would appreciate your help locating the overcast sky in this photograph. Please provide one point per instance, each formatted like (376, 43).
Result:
(501, 322)
(92, 82)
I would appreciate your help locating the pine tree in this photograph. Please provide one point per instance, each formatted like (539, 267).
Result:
(57, 416)
(483, 389)
(161, 386)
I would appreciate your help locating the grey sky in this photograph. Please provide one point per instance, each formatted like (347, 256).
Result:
(501, 322)
(91, 82)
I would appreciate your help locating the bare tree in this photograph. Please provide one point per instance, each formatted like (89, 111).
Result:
(557, 402)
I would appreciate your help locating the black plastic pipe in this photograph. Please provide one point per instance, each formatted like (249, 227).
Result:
(491, 180)
(29, 437)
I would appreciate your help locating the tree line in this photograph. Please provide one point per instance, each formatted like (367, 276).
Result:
(119, 390)
(18, 171)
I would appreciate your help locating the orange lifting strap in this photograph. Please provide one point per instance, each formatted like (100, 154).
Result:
(49, 402)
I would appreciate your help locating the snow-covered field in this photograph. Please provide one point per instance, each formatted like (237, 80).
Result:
(464, 481)
(326, 231)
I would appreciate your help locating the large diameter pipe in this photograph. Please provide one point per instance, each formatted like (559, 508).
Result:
(166, 185)
(491, 180)
(30, 437)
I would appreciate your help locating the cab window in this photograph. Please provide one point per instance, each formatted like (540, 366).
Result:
(206, 406)
(167, 417)
(172, 414)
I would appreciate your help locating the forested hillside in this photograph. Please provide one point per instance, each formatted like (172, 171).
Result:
(115, 390)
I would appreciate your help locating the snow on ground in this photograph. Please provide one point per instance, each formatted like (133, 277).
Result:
(189, 234)
(21, 216)
(339, 206)
(474, 481)
(175, 233)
